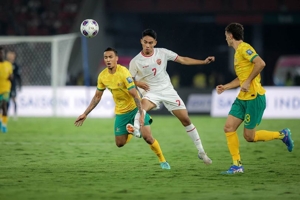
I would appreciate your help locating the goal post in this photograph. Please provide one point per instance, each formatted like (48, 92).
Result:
(43, 59)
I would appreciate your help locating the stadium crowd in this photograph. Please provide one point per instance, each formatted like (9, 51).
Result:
(37, 17)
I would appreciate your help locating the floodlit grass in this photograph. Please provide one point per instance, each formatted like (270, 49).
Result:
(50, 158)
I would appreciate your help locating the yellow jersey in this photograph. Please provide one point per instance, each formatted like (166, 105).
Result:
(243, 67)
(118, 83)
(6, 70)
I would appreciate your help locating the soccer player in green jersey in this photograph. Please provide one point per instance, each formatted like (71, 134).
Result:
(250, 103)
(118, 80)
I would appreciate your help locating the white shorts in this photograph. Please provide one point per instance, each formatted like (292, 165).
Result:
(169, 98)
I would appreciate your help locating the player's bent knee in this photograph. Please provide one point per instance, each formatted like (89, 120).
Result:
(227, 128)
(120, 144)
(248, 138)
(186, 122)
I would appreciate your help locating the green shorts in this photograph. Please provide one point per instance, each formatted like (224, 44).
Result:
(4, 96)
(250, 111)
(122, 120)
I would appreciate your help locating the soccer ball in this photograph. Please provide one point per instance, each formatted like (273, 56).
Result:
(89, 28)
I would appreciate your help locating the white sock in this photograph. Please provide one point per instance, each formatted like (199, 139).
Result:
(136, 122)
(193, 133)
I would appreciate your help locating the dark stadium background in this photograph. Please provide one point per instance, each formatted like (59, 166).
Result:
(192, 28)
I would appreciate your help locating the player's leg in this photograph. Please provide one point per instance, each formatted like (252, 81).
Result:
(233, 121)
(176, 106)
(147, 135)
(133, 126)
(15, 107)
(147, 104)
(191, 130)
(13, 95)
(1, 110)
(121, 140)
(121, 134)
(4, 112)
(253, 117)
(154, 144)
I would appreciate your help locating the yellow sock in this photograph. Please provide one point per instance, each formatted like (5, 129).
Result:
(263, 135)
(234, 147)
(157, 150)
(4, 120)
(129, 136)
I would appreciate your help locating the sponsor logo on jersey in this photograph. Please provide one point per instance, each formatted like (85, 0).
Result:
(129, 80)
(146, 66)
(158, 61)
(249, 52)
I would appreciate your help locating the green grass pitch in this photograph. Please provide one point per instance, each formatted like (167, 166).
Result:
(50, 158)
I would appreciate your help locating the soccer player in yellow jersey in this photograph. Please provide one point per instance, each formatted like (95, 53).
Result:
(6, 71)
(250, 103)
(117, 79)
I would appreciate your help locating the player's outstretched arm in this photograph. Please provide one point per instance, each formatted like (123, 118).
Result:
(191, 61)
(96, 99)
(233, 84)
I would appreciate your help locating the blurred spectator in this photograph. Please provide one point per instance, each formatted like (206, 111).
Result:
(215, 78)
(199, 80)
(37, 17)
(175, 79)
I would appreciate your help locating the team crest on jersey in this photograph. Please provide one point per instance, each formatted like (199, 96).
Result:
(129, 80)
(158, 61)
(249, 52)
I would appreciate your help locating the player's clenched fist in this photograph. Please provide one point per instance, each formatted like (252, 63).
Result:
(220, 89)
(209, 59)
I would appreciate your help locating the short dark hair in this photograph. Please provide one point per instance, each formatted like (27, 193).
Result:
(237, 30)
(111, 49)
(149, 32)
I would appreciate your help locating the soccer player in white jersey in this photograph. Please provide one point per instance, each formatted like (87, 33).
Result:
(149, 71)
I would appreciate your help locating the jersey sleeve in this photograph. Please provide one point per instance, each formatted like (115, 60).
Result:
(100, 85)
(170, 55)
(249, 53)
(127, 78)
(133, 68)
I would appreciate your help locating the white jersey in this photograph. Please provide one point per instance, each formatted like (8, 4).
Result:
(153, 69)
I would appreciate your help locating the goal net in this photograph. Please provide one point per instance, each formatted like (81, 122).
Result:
(44, 59)
(44, 62)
